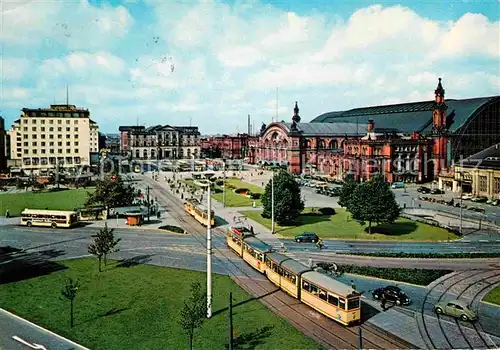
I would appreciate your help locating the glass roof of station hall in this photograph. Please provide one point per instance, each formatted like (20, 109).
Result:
(407, 117)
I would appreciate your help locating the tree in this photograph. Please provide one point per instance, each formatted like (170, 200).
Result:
(374, 202)
(347, 191)
(111, 192)
(104, 244)
(194, 311)
(287, 201)
(69, 292)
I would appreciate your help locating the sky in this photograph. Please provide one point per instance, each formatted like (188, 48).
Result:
(212, 63)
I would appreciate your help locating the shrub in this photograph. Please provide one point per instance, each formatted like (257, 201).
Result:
(219, 182)
(327, 211)
(217, 190)
(415, 276)
(172, 228)
(243, 191)
(230, 186)
(255, 195)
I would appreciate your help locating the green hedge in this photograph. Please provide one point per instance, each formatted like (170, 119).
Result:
(414, 276)
(430, 255)
(172, 228)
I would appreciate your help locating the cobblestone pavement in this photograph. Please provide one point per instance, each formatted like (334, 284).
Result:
(445, 332)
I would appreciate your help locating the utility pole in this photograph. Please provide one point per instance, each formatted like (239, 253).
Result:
(360, 339)
(224, 185)
(272, 203)
(461, 194)
(209, 254)
(230, 321)
(147, 199)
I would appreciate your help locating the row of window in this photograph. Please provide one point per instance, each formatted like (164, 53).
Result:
(51, 160)
(483, 184)
(43, 216)
(43, 143)
(281, 271)
(42, 129)
(329, 297)
(51, 121)
(254, 253)
(51, 136)
(51, 151)
(57, 114)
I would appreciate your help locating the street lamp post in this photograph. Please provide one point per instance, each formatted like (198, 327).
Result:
(461, 194)
(224, 185)
(209, 246)
(272, 203)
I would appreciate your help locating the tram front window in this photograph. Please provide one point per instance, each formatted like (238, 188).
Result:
(353, 304)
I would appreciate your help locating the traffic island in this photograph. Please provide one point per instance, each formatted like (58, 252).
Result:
(341, 226)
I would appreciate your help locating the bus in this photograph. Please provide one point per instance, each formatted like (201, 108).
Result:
(49, 218)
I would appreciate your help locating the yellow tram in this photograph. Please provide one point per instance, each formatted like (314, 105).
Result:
(199, 212)
(328, 296)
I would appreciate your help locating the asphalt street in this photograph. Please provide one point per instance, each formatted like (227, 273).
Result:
(19, 334)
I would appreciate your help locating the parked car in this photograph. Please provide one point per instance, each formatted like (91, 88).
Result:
(476, 209)
(480, 199)
(455, 308)
(437, 191)
(467, 196)
(423, 189)
(307, 237)
(398, 185)
(393, 294)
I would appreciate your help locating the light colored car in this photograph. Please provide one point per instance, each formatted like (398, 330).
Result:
(467, 196)
(455, 308)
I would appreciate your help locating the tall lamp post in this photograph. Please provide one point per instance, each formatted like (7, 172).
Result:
(206, 184)
(461, 194)
(224, 184)
(272, 200)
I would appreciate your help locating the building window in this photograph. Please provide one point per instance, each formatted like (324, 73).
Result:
(25, 129)
(76, 129)
(68, 143)
(33, 144)
(59, 121)
(51, 128)
(59, 129)
(59, 136)
(33, 128)
(483, 184)
(34, 136)
(43, 150)
(51, 136)
(25, 144)
(68, 150)
(25, 121)
(51, 121)
(496, 185)
(51, 150)
(59, 150)
(34, 151)
(75, 122)
(68, 129)
(76, 143)
(68, 136)
(59, 143)
(51, 143)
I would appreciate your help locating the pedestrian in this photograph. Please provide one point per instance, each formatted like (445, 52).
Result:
(382, 302)
(7, 214)
(253, 204)
(353, 286)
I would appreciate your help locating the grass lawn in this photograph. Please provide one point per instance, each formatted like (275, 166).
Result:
(340, 226)
(61, 200)
(138, 307)
(234, 199)
(493, 296)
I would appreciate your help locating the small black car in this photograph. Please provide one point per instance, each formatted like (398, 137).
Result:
(393, 294)
(423, 189)
(437, 191)
(307, 237)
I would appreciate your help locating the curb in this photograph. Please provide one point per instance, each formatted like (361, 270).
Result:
(43, 329)
(416, 258)
(384, 280)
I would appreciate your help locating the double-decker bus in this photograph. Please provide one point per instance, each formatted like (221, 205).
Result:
(49, 218)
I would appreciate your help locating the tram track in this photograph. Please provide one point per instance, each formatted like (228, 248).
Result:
(284, 305)
(466, 340)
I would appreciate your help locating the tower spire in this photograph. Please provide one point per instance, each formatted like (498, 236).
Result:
(439, 92)
(296, 117)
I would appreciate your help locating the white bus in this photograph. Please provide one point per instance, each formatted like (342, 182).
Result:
(52, 218)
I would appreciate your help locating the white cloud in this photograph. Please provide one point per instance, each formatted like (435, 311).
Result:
(13, 68)
(242, 56)
(83, 65)
(471, 34)
(76, 25)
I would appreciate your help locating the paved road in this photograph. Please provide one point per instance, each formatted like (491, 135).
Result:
(27, 333)
(336, 246)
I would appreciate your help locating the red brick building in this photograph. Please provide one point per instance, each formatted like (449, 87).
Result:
(225, 146)
(409, 142)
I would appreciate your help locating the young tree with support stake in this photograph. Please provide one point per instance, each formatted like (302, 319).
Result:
(347, 191)
(104, 244)
(69, 292)
(373, 202)
(194, 312)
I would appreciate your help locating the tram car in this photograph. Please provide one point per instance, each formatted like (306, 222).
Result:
(199, 212)
(243, 242)
(326, 295)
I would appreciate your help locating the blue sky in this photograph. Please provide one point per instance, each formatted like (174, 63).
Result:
(212, 63)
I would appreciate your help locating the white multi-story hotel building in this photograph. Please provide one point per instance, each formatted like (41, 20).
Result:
(61, 136)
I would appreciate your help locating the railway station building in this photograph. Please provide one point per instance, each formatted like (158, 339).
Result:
(410, 142)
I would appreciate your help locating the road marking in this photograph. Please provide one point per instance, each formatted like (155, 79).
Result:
(483, 240)
(44, 330)
(33, 346)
